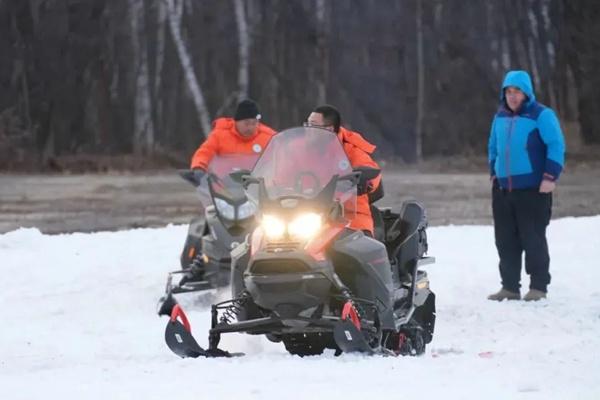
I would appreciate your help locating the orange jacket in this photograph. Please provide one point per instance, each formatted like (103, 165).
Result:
(225, 139)
(359, 153)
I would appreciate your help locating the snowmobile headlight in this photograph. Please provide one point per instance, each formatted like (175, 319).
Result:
(225, 209)
(273, 227)
(246, 210)
(305, 225)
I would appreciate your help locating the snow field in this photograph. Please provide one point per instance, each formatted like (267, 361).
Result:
(80, 322)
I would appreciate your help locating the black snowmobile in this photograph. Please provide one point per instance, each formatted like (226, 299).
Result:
(227, 218)
(304, 279)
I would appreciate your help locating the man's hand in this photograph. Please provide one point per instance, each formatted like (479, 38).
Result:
(495, 184)
(364, 187)
(547, 186)
(198, 175)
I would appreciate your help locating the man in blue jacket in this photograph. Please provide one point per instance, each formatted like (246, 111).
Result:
(526, 156)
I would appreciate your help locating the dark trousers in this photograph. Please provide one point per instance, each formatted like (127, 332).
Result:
(520, 221)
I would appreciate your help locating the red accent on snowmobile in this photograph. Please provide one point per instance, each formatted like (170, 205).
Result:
(316, 246)
(178, 312)
(350, 311)
(401, 343)
(256, 240)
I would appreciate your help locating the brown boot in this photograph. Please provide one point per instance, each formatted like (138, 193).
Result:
(534, 295)
(504, 294)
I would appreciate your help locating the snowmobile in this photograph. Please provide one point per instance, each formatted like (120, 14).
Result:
(227, 218)
(303, 278)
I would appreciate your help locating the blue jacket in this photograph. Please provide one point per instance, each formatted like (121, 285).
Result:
(527, 146)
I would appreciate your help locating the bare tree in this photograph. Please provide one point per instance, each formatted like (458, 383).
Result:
(175, 12)
(243, 49)
(420, 84)
(322, 53)
(143, 135)
(80, 77)
(159, 61)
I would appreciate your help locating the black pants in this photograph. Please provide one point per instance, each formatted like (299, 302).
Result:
(520, 221)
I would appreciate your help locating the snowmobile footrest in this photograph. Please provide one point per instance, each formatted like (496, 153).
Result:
(194, 286)
(349, 339)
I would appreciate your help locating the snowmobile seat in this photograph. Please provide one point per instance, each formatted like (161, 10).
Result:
(378, 224)
(406, 241)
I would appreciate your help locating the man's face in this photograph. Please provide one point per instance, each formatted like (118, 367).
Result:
(514, 98)
(246, 127)
(317, 120)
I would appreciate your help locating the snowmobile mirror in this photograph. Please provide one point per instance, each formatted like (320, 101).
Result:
(353, 177)
(367, 173)
(336, 213)
(248, 180)
(237, 176)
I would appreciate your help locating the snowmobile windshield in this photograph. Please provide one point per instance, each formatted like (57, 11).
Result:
(300, 162)
(220, 189)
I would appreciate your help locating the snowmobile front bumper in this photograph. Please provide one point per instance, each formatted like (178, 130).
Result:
(349, 333)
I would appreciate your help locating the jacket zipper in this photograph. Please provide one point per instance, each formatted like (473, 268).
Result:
(507, 152)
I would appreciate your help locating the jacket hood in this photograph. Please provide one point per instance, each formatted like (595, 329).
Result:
(521, 80)
(228, 124)
(223, 123)
(356, 139)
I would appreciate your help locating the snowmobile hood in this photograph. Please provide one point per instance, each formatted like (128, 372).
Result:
(521, 80)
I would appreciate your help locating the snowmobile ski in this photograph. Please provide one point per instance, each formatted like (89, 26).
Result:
(178, 335)
(350, 339)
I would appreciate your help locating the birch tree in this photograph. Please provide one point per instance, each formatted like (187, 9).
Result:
(143, 126)
(243, 49)
(420, 84)
(159, 61)
(322, 51)
(175, 12)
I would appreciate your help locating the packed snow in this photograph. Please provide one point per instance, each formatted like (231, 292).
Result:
(80, 322)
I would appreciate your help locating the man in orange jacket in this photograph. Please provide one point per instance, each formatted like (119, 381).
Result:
(242, 134)
(359, 153)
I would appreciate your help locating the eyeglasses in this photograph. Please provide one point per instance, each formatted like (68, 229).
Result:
(310, 125)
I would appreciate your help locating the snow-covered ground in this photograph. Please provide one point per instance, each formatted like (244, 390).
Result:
(79, 321)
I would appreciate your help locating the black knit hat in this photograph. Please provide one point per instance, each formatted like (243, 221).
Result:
(247, 109)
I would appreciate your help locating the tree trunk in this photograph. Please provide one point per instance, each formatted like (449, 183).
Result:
(322, 51)
(158, 67)
(420, 84)
(174, 11)
(584, 34)
(143, 127)
(243, 49)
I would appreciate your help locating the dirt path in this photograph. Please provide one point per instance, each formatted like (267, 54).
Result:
(56, 204)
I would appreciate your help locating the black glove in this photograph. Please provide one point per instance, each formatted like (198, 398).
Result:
(198, 175)
(495, 184)
(363, 186)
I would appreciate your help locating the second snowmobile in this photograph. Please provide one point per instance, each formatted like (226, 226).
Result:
(227, 217)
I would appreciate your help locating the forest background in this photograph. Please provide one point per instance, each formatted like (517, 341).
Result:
(86, 84)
